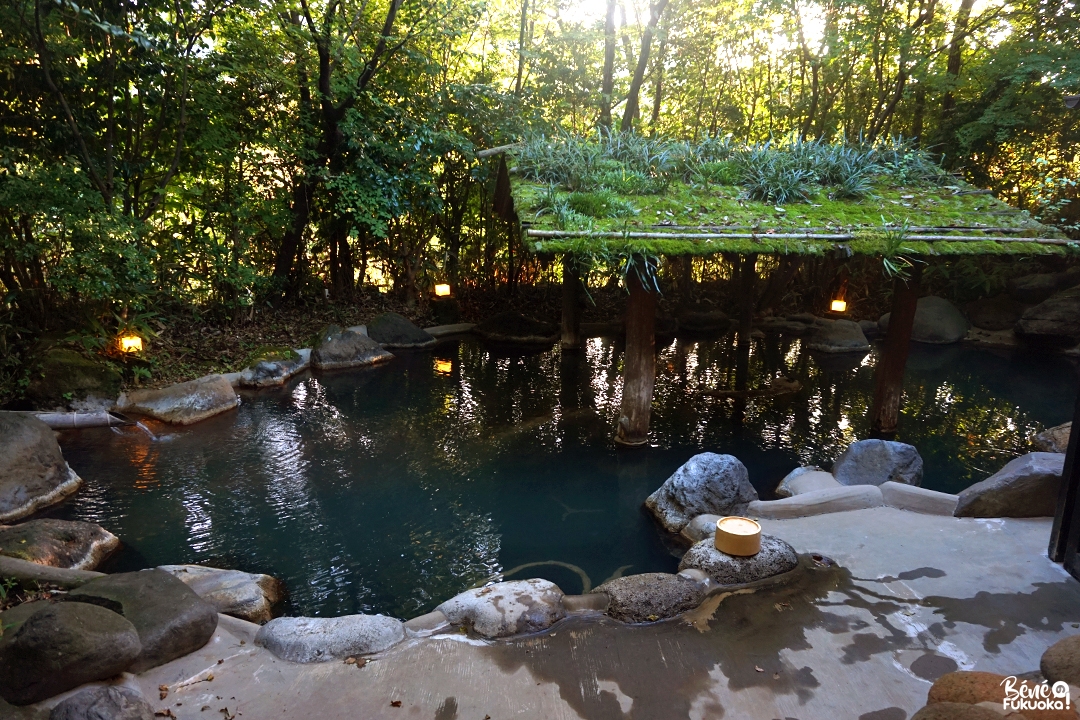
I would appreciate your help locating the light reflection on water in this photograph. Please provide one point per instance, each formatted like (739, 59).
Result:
(391, 489)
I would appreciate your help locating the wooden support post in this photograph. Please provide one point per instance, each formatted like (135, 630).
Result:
(639, 364)
(571, 304)
(1066, 529)
(889, 374)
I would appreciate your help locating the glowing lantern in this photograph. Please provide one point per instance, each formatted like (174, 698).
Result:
(442, 290)
(131, 344)
(838, 306)
(444, 367)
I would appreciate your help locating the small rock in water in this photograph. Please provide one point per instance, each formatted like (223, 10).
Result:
(58, 543)
(396, 331)
(872, 462)
(48, 648)
(651, 596)
(706, 484)
(108, 702)
(775, 558)
(840, 336)
(805, 479)
(312, 640)
(507, 608)
(937, 322)
(1025, 487)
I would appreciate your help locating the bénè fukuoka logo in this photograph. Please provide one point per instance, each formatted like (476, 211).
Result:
(1020, 696)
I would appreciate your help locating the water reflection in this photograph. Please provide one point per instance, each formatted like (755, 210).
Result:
(390, 489)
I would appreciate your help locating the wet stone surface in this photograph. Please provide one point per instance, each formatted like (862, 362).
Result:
(651, 596)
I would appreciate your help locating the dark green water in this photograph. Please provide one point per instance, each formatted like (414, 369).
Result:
(391, 489)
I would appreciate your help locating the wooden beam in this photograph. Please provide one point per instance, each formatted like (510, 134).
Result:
(571, 304)
(480, 155)
(889, 373)
(639, 364)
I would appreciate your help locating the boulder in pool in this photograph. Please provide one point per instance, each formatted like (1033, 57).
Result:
(650, 596)
(33, 473)
(937, 322)
(839, 336)
(1055, 321)
(184, 403)
(64, 375)
(1053, 440)
(58, 543)
(703, 319)
(775, 558)
(1038, 287)
(48, 648)
(707, 483)
(506, 608)
(244, 595)
(872, 462)
(276, 369)
(396, 331)
(170, 618)
(104, 702)
(1025, 487)
(338, 348)
(514, 328)
(994, 313)
(313, 640)
(807, 478)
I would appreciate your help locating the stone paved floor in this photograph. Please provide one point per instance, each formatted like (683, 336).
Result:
(907, 598)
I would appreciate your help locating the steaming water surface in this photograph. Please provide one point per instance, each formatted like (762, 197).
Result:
(391, 489)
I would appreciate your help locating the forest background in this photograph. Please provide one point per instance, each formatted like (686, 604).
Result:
(191, 169)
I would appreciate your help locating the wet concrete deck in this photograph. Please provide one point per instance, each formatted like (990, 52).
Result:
(909, 598)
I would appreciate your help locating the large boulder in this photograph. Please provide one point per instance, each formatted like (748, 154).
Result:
(995, 313)
(184, 403)
(961, 711)
(872, 462)
(31, 576)
(311, 640)
(396, 331)
(1061, 661)
(170, 618)
(58, 543)
(1053, 321)
(706, 484)
(104, 702)
(515, 328)
(65, 375)
(937, 322)
(506, 608)
(33, 473)
(48, 648)
(775, 558)
(651, 596)
(338, 348)
(1054, 440)
(274, 369)
(244, 595)
(839, 336)
(1036, 288)
(807, 478)
(1025, 487)
(703, 319)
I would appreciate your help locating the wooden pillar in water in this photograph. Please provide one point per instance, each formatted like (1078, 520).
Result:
(639, 364)
(571, 304)
(889, 374)
(747, 301)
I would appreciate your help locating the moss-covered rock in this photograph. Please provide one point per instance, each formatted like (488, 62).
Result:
(64, 375)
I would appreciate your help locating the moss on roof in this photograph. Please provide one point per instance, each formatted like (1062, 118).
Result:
(710, 209)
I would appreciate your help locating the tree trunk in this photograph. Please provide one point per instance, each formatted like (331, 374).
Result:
(631, 110)
(607, 83)
(889, 374)
(571, 304)
(639, 364)
(521, 47)
(956, 49)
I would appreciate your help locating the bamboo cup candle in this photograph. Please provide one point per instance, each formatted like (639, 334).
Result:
(738, 536)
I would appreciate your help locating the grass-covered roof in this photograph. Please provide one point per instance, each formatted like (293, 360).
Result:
(627, 194)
